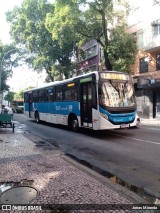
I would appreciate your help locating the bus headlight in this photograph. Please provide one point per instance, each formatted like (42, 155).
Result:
(104, 116)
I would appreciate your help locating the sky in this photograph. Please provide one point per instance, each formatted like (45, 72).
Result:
(22, 76)
(4, 7)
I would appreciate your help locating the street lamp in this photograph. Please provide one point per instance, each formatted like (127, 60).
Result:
(1, 69)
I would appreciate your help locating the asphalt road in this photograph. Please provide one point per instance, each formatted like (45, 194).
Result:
(133, 155)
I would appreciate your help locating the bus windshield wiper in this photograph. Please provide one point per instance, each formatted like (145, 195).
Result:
(111, 82)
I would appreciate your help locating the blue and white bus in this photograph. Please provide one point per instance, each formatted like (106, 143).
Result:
(97, 100)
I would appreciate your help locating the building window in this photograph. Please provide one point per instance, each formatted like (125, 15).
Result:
(158, 61)
(88, 53)
(143, 65)
(140, 39)
(135, 36)
(156, 27)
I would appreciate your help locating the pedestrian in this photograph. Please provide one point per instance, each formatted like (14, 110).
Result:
(4, 110)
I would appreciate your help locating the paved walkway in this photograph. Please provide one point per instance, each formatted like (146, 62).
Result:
(26, 160)
(152, 121)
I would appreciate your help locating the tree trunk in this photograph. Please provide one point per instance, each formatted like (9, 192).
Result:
(106, 43)
(107, 61)
(48, 71)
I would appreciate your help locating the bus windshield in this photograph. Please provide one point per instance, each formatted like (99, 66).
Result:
(117, 94)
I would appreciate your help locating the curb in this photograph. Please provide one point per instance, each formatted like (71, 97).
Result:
(124, 192)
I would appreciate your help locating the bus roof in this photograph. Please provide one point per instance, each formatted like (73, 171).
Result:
(59, 82)
(71, 79)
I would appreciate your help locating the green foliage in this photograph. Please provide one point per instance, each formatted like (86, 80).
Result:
(62, 30)
(10, 96)
(50, 33)
(123, 50)
(19, 95)
(8, 60)
(83, 20)
(28, 29)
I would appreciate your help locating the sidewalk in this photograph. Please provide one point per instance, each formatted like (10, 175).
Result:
(26, 160)
(151, 121)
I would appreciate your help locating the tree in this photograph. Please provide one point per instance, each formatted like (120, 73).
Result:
(122, 53)
(61, 25)
(10, 96)
(19, 95)
(8, 60)
(157, 2)
(99, 20)
(29, 31)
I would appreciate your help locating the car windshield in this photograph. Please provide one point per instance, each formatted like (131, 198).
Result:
(117, 94)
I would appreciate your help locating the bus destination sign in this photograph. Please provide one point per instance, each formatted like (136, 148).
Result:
(114, 76)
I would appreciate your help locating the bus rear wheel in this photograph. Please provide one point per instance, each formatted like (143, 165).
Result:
(74, 124)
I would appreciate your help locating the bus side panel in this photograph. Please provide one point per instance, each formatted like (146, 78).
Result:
(50, 112)
(57, 112)
(63, 109)
(45, 111)
(28, 110)
(26, 107)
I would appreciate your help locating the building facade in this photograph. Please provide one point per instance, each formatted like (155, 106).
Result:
(90, 58)
(144, 23)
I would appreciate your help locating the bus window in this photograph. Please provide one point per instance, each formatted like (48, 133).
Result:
(41, 95)
(26, 98)
(49, 94)
(90, 92)
(35, 96)
(71, 94)
(59, 93)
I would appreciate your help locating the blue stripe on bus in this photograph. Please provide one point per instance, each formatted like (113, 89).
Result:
(119, 118)
(62, 108)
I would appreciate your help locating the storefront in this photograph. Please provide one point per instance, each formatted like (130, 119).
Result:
(147, 93)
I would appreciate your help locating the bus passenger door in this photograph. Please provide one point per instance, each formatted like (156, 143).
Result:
(30, 104)
(87, 102)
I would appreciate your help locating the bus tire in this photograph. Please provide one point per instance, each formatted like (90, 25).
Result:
(74, 124)
(37, 117)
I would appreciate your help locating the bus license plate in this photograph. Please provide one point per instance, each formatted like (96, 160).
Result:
(124, 125)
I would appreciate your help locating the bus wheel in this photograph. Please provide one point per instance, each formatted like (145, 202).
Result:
(74, 124)
(37, 117)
